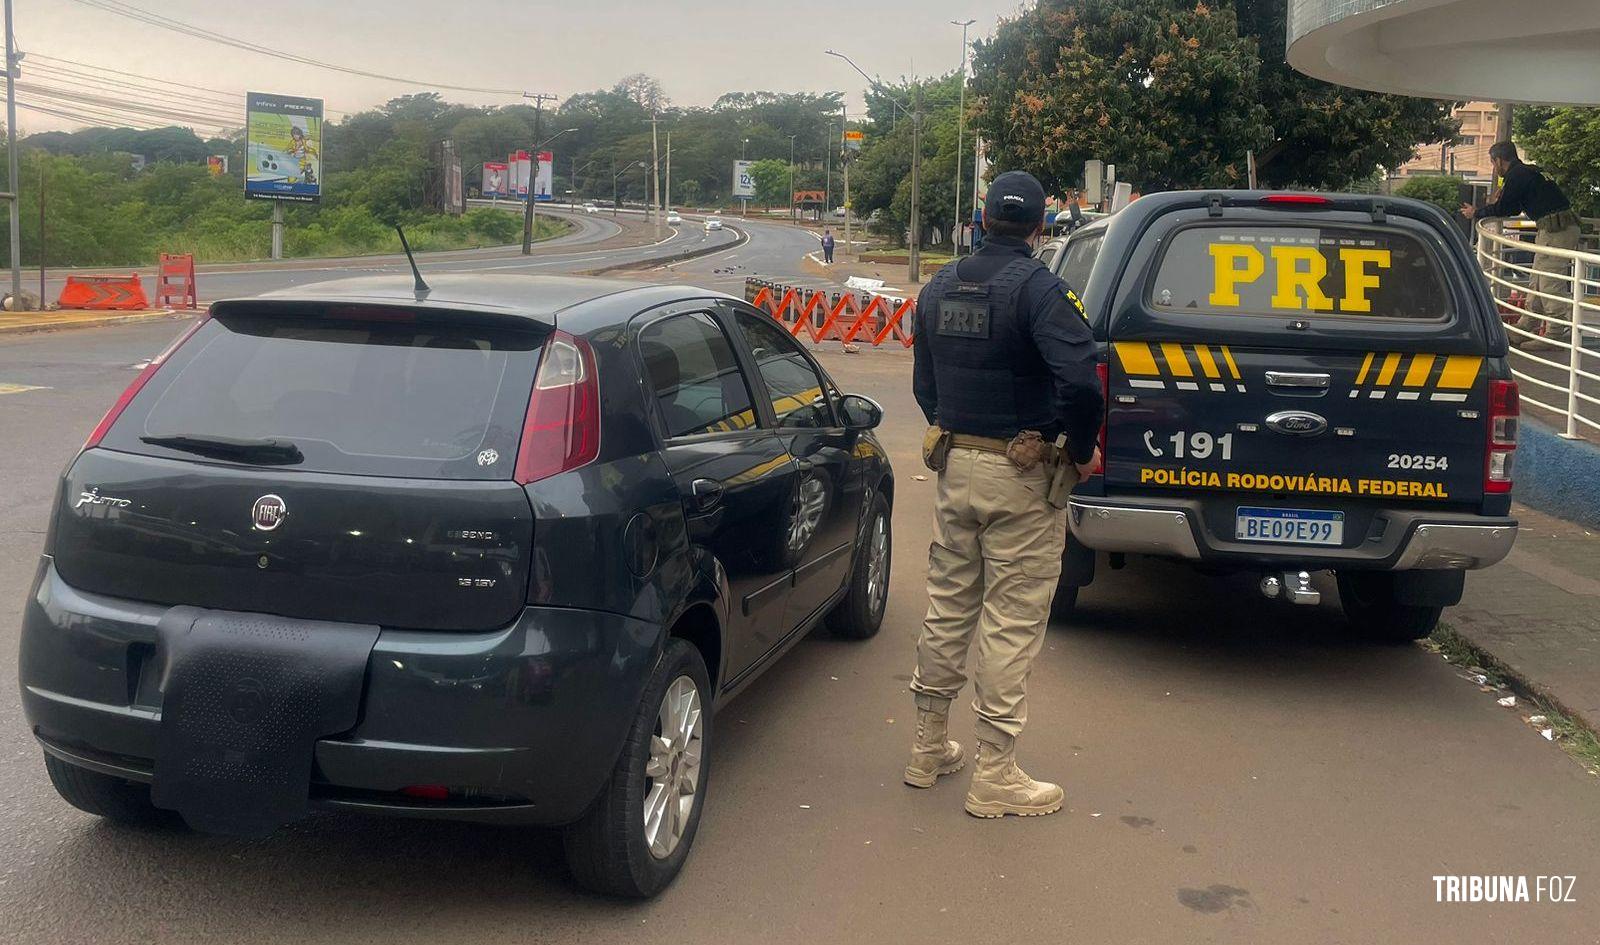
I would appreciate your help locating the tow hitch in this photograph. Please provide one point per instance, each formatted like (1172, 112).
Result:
(1292, 586)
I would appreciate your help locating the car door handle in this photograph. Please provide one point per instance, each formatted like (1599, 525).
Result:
(1292, 379)
(705, 494)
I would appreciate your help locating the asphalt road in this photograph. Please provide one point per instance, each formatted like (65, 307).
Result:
(573, 251)
(1236, 771)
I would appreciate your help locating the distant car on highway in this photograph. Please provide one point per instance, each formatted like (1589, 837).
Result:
(673, 219)
(497, 551)
(714, 223)
(590, 208)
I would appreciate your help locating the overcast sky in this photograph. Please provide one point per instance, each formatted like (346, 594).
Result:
(698, 50)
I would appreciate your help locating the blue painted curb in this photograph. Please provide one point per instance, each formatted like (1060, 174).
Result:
(1558, 476)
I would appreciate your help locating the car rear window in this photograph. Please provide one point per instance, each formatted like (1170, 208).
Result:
(1304, 270)
(418, 399)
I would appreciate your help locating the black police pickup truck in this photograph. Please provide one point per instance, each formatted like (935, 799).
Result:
(1297, 382)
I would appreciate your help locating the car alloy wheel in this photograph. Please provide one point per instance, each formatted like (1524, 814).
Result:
(674, 767)
(878, 565)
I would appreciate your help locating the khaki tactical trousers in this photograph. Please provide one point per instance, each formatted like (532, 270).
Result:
(992, 568)
(1554, 278)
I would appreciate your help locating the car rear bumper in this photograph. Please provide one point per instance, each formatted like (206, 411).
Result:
(521, 724)
(1408, 540)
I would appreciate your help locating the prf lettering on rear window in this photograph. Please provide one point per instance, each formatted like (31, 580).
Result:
(1298, 272)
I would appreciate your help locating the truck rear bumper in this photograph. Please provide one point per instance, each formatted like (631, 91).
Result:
(1407, 540)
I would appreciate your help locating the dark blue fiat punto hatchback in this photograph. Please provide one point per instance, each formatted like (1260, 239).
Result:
(495, 550)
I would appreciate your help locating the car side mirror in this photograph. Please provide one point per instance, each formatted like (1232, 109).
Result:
(860, 413)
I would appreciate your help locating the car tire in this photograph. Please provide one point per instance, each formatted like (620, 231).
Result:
(1369, 602)
(609, 849)
(859, 615)
(1064, 602)
(105, 796)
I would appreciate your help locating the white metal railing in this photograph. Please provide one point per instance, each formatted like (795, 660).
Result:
(1550, 300)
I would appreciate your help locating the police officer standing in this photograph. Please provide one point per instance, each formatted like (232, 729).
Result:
(1005, 362)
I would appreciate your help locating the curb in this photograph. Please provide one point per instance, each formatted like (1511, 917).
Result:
(1557, 475)
(673, 259)
(31, 327)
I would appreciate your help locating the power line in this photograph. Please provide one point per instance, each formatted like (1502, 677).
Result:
(167, 23)
(83, 98)
(55, 62)
(75, 78)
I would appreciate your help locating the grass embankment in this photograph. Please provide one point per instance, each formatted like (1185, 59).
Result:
(1575, 739)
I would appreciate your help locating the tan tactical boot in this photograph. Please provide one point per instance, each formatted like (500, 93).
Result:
(934, 753)
(999, 787)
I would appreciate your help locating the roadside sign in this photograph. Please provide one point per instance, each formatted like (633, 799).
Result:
(853, 139)
(496, 179)
(743, 184)
(283, 148)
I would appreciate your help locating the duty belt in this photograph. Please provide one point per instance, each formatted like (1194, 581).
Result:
(993, 444)
(985, 444)
(1559, 220)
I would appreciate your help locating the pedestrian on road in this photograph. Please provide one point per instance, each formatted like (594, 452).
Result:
(827, 246)
(1528, 191)
(1004, 362)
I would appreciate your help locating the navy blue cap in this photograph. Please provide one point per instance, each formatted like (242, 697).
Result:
(1015, 196)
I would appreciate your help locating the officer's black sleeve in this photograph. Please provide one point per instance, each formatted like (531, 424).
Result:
(1055, 320)
(923, 384)
(1513, 196)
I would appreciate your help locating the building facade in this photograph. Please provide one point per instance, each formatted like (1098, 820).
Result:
(1468, 158)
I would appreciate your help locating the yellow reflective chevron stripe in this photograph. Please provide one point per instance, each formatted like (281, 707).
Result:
(1365, 367)
(1207, 363)
(1136, 358)
(1421, 367)
(1391, 363)
(1232, 367)
(1460, 371)
(1177, 360)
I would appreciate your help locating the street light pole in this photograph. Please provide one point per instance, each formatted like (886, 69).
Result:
(13, 172)
(961, 123)
(744, 202)
(913, 257)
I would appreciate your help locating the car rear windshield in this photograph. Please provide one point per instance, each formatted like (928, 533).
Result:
(1304, 270)
(407, 398)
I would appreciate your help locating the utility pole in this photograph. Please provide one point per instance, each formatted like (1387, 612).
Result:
(666, 203)
(791, 178)
(744, 202)
(961, 126)
(11, 149)
(844, 158)
(655, 169)
(539, 98)
(827, 179)
(914, 255)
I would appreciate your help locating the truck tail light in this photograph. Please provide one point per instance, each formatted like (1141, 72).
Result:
(133, 389)
(562, 428)
(1103, 370)
(1505, 411)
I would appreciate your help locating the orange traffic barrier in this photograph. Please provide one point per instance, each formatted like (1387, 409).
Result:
(104, 292)
(808, 310)
(175, 281)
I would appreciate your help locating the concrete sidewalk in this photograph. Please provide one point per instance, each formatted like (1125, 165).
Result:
(17, 322)
(1538, 613)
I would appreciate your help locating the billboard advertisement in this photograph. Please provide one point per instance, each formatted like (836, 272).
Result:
(543, 179)
(283, 147)
(496, 179)
(521, 168)
(217, 164)
(853, 139)
(743, 184)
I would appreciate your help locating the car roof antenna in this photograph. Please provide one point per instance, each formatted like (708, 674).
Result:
(421, 288)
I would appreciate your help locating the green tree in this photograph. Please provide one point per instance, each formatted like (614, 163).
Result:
(771, 177)
(1565, 143)
(1175, 92)
(1442, 192)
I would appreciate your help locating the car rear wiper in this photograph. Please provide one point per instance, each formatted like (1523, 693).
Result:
(263, 451)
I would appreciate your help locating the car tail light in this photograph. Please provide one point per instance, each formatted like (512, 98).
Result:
(1505, 411)
(1103, 371)
(143, 378)
(562, 427)
(1304, 200)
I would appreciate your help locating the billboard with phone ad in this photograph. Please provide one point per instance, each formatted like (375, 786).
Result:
(283, 149)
